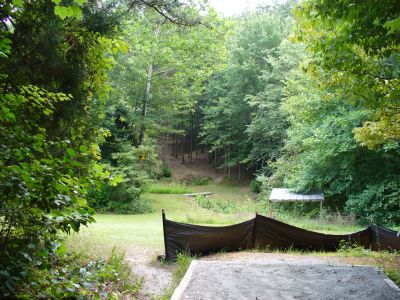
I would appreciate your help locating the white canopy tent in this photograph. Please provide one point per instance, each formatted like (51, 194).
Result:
(285, 195)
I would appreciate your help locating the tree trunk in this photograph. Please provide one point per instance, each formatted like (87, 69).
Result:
(215, 160)
(147, 95)
(195, 135)
(145, 103)
(229, 158)
(182, 144)
(225, 161)
(191, 138)
(176, 145)
(167, 142)
(163, 148)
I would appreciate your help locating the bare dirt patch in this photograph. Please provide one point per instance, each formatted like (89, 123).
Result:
(198, 167)
(156, 278)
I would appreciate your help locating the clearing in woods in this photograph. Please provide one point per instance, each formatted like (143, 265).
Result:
(141, 236)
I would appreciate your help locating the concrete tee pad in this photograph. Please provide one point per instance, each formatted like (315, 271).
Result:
(214, 280)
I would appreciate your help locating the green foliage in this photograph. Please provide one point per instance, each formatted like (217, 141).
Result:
(358, 46)
(118, 200)
(199, 180)
(51, 81)
(321, 153)
(46, 186)
(268, 127)
(230, 107)
(58, 274)
(255, 186)
(166, 171)
(44, 180)
(135, 167)
(138, 166)
(162, 74)
(325, 99)
(216, 206)
(379, 202)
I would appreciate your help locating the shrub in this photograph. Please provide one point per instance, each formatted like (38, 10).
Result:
(135, 168)
(200, 180)
(44, 180)
(166, 171)
(58, 274)
(119, 200)
(255, 186)
(378, 203)
(217, 206)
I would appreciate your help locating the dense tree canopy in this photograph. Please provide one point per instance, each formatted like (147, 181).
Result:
(358, 44)
(229, 125)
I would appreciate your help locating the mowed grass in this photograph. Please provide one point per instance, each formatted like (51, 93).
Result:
(129, 231)
(133, 232)
(167, 188)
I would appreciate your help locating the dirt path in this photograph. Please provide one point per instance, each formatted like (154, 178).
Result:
(198, 167)
(156, 277)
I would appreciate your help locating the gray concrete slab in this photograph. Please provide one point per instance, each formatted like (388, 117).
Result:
(214, 280)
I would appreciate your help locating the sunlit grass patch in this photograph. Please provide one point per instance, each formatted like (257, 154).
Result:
(161, 188)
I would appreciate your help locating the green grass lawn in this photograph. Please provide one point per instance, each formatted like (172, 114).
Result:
(145, 231)
(129, 232)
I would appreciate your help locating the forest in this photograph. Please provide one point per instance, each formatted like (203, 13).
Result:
(99, 96)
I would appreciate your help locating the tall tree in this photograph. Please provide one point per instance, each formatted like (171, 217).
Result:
(165, 68)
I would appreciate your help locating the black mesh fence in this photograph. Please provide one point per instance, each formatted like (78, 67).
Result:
(266, 232)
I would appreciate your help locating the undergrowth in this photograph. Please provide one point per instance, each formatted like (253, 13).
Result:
(72, 275)
(197, 180)
(216, 206)
(388, 261)
(181, 266)
(315, 219)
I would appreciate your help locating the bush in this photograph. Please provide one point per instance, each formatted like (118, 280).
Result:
(200, 180)
(59, 275)
(44, 180)
(255, 186)
(196, 180)
(135, 168)
(378, 203)
(119, 200)
(166, 171)
(217, 206)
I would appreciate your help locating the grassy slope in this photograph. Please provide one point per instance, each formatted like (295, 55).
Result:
(145, 231)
